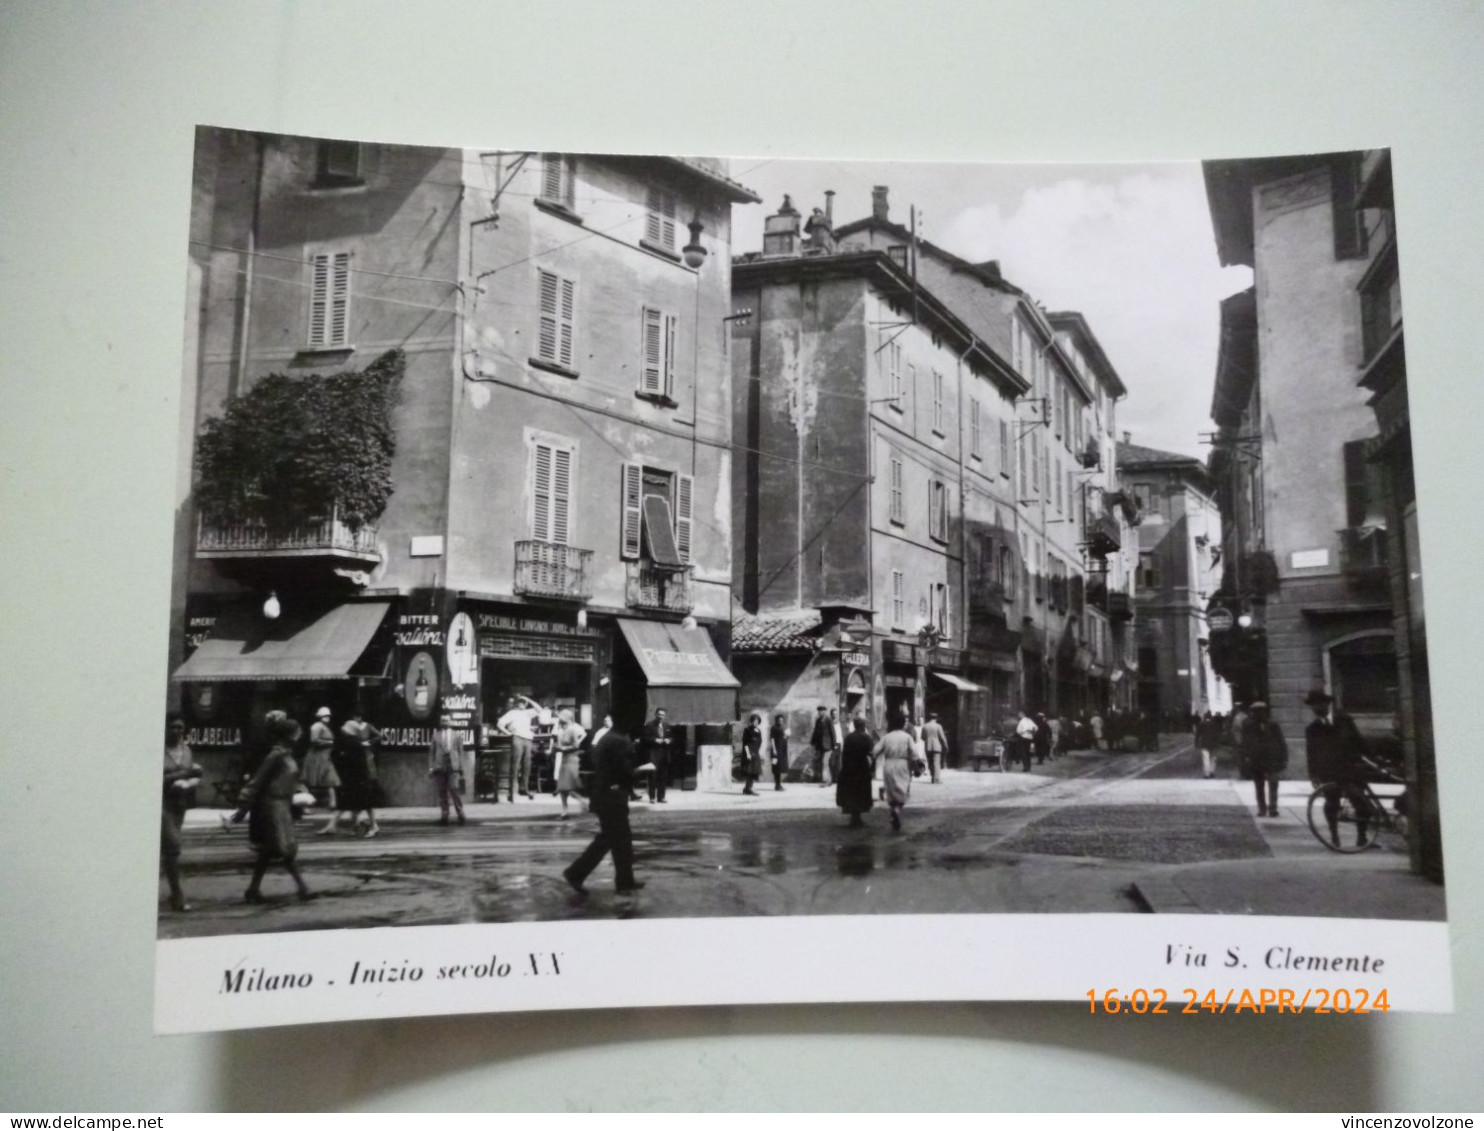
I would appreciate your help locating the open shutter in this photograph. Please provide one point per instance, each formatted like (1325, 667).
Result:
(549, 304)
(340, 300)
(569, 317)
(561, 495)
(652, 358)
(632, 489)
(684, 486)
(319, 300)
(541, 493)
(669, 386)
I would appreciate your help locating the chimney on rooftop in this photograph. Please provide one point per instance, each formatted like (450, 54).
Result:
(829, 206)
(991, 267)
(878, 203)
(1128, 437)
(781, 230)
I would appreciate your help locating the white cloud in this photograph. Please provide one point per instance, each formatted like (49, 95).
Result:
(1135, 255)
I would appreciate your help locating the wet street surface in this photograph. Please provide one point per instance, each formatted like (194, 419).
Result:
(1072, 836)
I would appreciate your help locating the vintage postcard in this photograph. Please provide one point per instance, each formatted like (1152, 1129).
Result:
(611, 580)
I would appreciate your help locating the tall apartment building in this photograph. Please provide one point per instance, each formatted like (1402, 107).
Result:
(559, 521)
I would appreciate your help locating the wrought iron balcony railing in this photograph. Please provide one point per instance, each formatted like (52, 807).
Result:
(546, 569)
(1103, 537)
(329, 538)
(653, 587)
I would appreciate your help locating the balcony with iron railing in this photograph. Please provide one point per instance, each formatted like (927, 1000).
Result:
(1120, 605)
(547, 569)
(1103, 536)
(1363, 556)
(1380, 307)
(663, 588)
(329, 538)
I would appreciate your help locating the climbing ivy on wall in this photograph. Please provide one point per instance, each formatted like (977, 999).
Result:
(293, 447)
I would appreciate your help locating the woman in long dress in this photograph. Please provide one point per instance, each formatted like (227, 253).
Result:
(752, 753)
(568, 741)
(357, 771)
(895, 752)
(853, 783)
(778, 751)
(319, 774)
(268, 799)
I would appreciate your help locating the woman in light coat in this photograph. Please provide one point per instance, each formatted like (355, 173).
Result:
(568, 740)
(269, 800)
(895, 752)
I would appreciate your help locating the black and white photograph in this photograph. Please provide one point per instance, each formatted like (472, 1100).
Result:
(595, 538)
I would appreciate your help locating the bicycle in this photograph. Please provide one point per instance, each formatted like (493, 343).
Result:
(1361, 808)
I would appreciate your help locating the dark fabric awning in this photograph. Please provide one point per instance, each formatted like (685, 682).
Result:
(661, 532)
(685, 675)
(957, 681)
(245, 645)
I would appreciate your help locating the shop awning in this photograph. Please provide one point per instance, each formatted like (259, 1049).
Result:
(245, 645)
(685, 675)
(957, 681)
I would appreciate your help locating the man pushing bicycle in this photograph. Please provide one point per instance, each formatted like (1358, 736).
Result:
(1337, 763)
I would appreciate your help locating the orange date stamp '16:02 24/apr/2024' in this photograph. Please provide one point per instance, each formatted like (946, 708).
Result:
(1140, 1000)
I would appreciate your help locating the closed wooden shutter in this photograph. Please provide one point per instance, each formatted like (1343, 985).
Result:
(660, 223)
(684, 488)
(551, 493)
(898, 601)
(896, 501)
(556, 179)
(631, 523)
(329, 299)
(670, 325)
(556, 302)
(974, 428)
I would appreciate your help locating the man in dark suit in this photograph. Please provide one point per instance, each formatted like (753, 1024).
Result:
(822, 742)
(613, 777)
(1336, 754)
(655, 746)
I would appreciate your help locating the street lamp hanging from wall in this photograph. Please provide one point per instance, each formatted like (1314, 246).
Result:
(693, 253)
(271, 607)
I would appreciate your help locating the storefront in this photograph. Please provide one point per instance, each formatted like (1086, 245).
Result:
(901, 692)
(242, 663)
(676, 667)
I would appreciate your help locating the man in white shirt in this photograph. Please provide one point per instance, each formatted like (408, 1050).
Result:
(1025, 735)
(519, 723)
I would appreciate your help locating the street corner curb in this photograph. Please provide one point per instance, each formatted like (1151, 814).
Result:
(1158, 895)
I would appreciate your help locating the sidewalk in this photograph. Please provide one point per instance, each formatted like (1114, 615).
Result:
(957, 786)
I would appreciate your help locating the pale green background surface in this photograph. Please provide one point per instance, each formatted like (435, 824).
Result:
(97, 102)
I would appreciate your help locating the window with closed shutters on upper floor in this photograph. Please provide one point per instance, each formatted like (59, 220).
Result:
(556, 334)
(329, 300)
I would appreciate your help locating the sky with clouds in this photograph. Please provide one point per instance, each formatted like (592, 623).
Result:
(1130, 246)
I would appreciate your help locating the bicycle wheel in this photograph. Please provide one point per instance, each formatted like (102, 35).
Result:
(1356, 827)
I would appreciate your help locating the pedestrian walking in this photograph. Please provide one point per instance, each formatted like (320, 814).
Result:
(1206, 736)
(612, 785)
(568, 770)
(1263, 755)
(934, 746)
(446, 768)
(356, 767)
(853, 784)
(895, 750)
(834, 758)
(182, 776)
(655, 749)
(752, 752)
(268, 803)
(1025, 735)
(1095, 724)
(1336, 758)
(320, 777)
(1041, 740)
(822, 743)
(518, 723)
(778, 751)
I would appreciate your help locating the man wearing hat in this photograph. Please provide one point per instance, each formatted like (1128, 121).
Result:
(935, 745)
(1336, 754)
(1263, 755)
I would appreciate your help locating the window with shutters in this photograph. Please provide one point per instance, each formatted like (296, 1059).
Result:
(329, 301)
(937, 402)
(938, 510)
(1061, 502)
(657, 355)
(942, 610)
(557, 181)
(657, 515)
(556, 330)
(338, 164)
(975, 443)
(891, 367)
(551, 479)
(659, 221)
(898, 598)
(1005, 448)
(896, 509)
